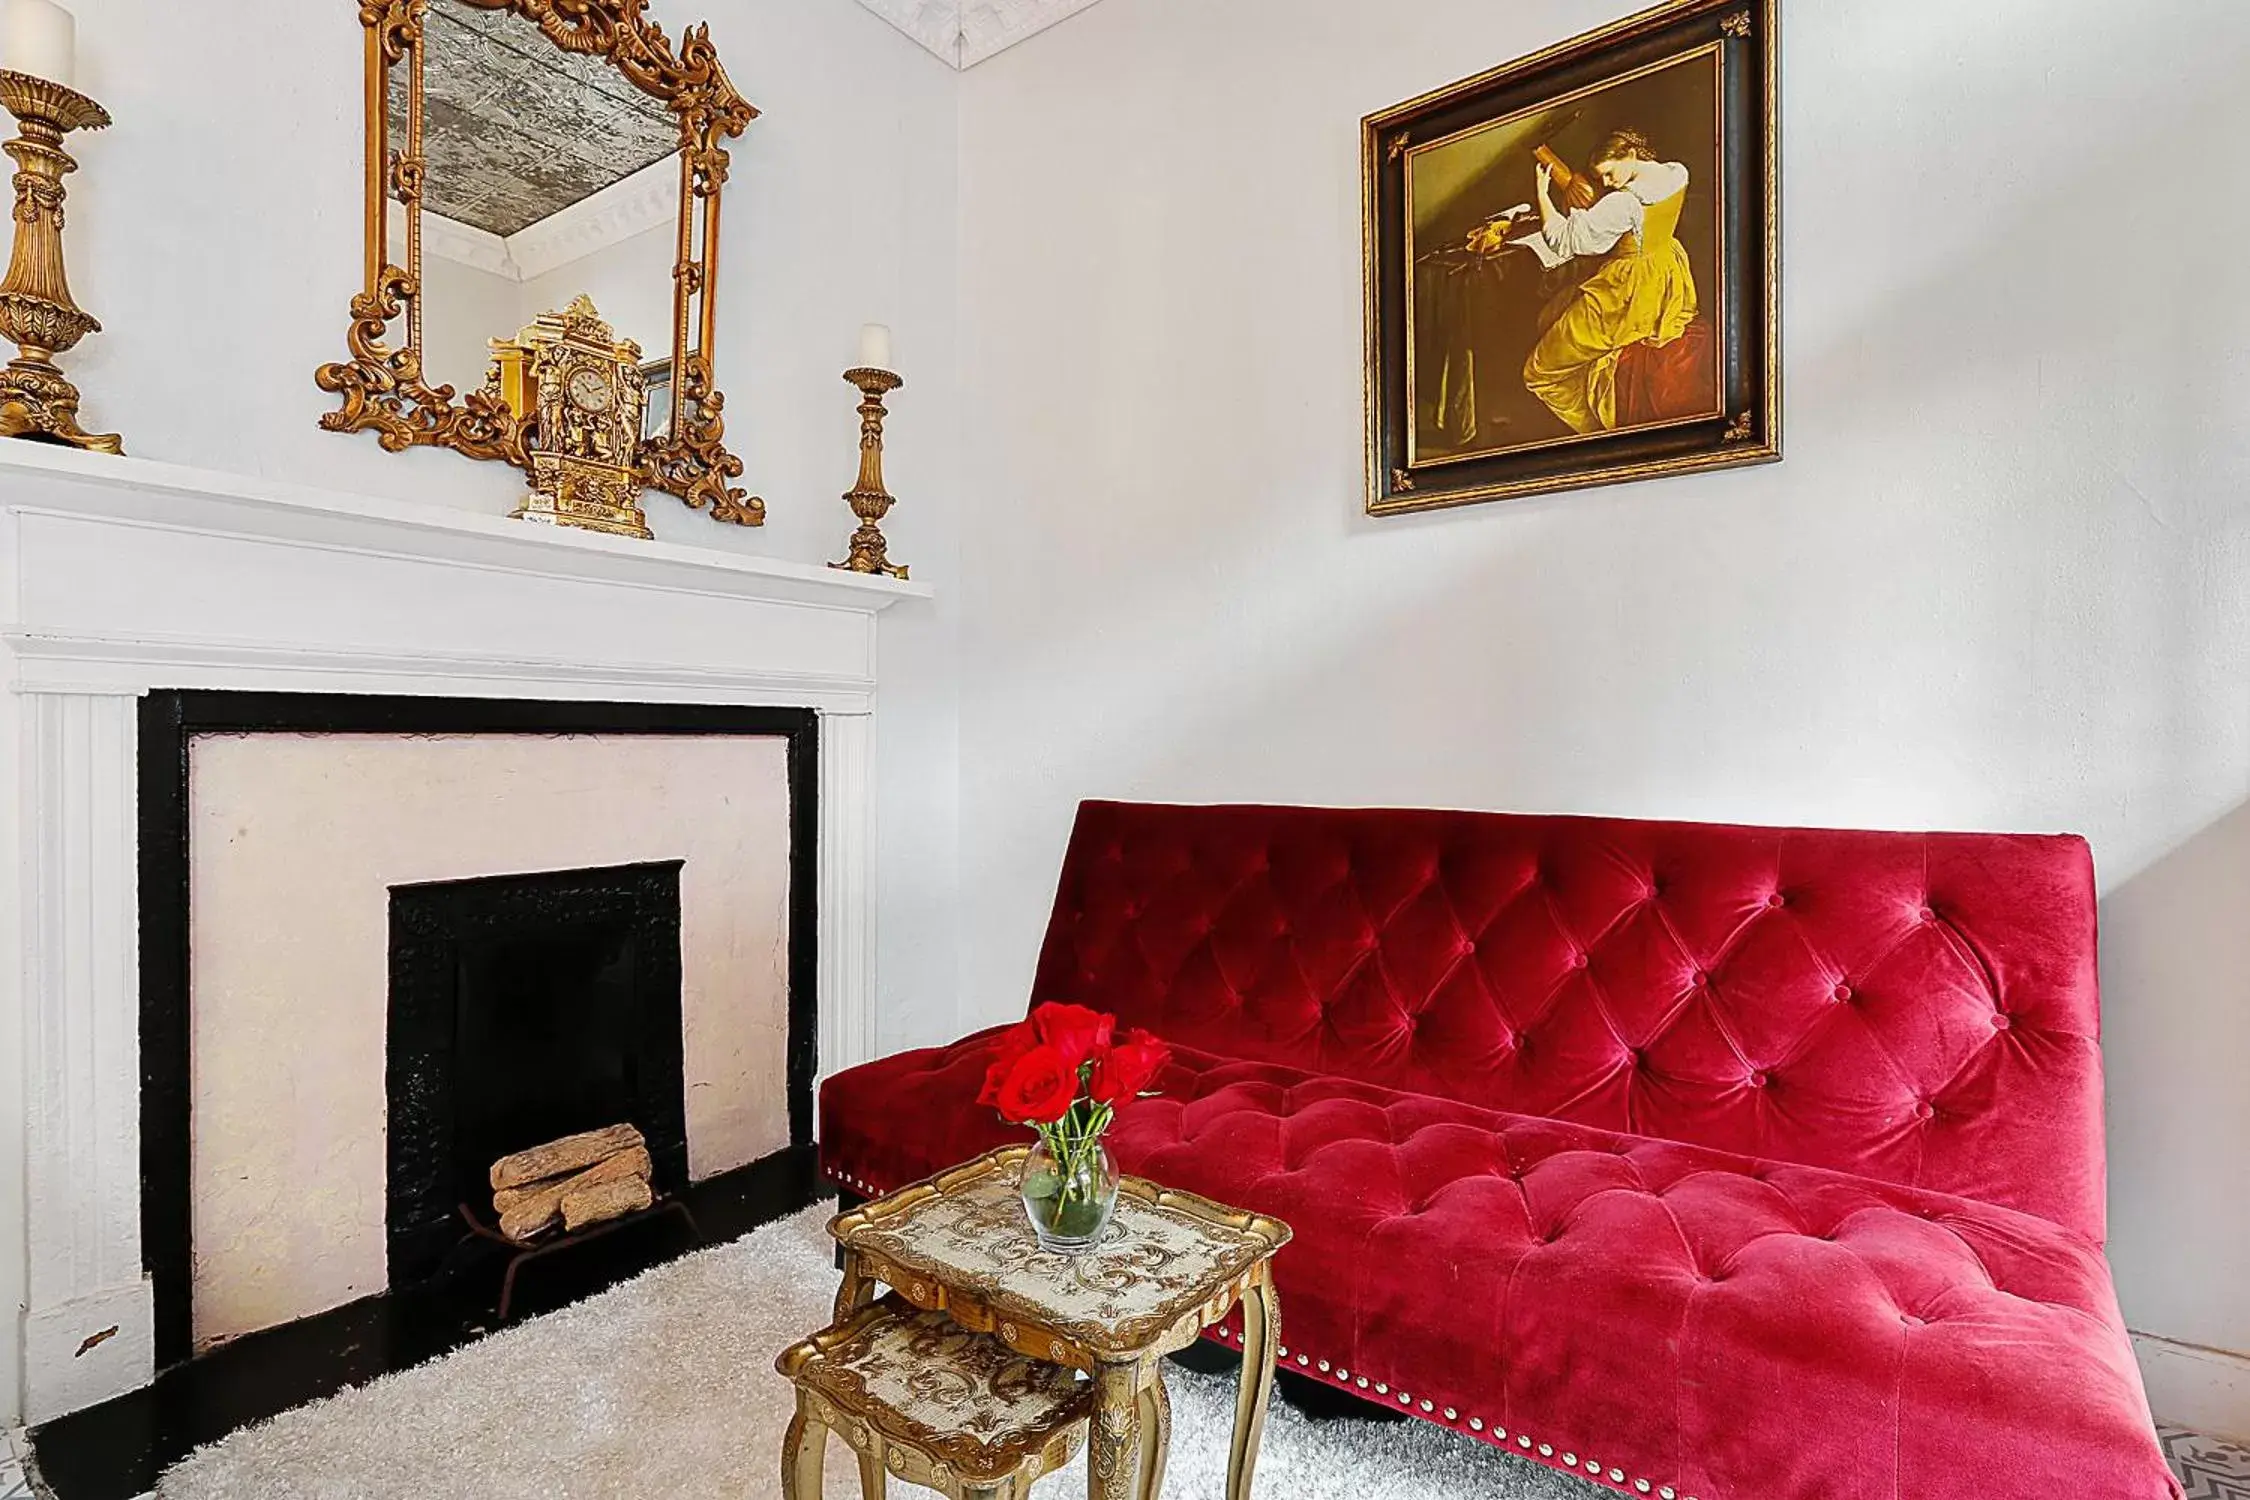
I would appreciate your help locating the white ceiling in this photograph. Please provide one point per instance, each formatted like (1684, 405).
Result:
(966, 32)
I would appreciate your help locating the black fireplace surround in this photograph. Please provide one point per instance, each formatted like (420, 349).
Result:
(604, 941)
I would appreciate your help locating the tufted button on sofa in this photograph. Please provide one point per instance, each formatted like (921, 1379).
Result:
(1711, 1162)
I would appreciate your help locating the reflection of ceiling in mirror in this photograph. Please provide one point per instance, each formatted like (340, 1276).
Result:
(515, 129)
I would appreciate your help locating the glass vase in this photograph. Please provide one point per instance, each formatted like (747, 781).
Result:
(1069, 1192)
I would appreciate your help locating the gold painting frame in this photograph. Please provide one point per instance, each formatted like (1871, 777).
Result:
(382, 386)
(1736, 420)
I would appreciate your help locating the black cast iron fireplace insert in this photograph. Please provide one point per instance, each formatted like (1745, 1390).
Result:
(524, 1008)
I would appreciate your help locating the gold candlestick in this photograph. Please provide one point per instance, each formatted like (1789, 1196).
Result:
(37, 314)
(868, 499)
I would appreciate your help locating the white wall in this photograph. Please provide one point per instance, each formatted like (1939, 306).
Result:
(218, 237)
(1999, 582)
(216, 232)
(464, 310)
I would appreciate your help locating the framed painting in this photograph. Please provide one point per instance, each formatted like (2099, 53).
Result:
(1572, 265)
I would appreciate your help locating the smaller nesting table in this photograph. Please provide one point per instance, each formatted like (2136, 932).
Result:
(917, 1395)
(1171, 1265)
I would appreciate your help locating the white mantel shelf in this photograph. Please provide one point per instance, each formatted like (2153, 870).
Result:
(205, 500)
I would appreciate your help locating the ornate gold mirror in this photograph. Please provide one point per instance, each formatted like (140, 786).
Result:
(520, 152)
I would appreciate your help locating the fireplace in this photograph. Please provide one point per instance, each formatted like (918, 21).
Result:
(505, 1010)
(146, 584)
(524, 1008)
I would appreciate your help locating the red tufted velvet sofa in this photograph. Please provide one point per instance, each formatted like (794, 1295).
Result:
(1734, 1163)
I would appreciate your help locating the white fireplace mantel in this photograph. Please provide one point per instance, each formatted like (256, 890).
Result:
(119, 575)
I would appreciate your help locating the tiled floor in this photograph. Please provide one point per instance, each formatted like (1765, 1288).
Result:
(12, 1449)
(2212, 1469)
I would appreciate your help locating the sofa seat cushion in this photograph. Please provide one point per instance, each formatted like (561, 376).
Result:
(904, 1117)
(1730, 1327)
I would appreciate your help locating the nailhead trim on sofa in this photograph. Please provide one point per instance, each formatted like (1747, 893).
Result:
(1343, 1378)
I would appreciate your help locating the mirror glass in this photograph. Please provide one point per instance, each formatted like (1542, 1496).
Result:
(549, 176)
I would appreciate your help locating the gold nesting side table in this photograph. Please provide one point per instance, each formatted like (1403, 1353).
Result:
(915, 1394)
(1171, 1265)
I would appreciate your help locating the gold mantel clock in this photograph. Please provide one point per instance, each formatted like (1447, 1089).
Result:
(579, 391)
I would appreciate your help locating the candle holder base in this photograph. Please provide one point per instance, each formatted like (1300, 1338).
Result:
(869, 553)
(37, 313)
(869, 550)
(38, 404)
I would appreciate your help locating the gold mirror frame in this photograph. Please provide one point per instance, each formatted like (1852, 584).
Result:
(383, 388)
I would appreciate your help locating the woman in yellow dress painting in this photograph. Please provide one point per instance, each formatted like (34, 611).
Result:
(1643, 295)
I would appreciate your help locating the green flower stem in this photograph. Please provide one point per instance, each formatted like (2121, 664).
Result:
(1073, 1140)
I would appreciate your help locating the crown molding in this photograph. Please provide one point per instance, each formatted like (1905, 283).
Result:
(649, 199)
(462, 244)
(936, 24)
(964, 33)
(990, 27)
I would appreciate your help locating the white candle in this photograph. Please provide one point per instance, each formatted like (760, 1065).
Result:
(875, 346)
(38, 37)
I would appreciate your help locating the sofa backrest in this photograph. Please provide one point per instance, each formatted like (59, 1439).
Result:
(1919, 1008)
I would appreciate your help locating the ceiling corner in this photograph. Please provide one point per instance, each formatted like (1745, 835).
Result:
(966, 32)
(989, 27)
(936, 24)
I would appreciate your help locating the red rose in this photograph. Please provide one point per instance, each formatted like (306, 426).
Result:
(1040, 1089)
(1013, 1044)
(1128, 1067)
(1075, 1032)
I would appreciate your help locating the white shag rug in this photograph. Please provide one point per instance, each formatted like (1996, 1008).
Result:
(664, 1386)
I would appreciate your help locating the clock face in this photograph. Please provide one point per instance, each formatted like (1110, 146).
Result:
(588, 391)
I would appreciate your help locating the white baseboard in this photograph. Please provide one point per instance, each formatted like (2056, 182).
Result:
(2191, 1386)
(87, 1350)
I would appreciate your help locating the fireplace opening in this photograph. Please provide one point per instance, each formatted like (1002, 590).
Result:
(524, 1008)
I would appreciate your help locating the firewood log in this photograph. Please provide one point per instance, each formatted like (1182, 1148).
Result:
(570, 1154)
(527, 1221)
(629, 1163)
(526, 1212)
(604, 1200)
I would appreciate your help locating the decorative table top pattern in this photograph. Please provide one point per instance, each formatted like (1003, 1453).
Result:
(1171, 1265)
(1164, 1257)
(960, 1402)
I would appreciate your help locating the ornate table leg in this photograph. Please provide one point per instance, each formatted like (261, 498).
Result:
(1261, 1334)
(857, 1290)
(874, 1482)
(1156, 1434)
(803, 1447)
(1111, 1471)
